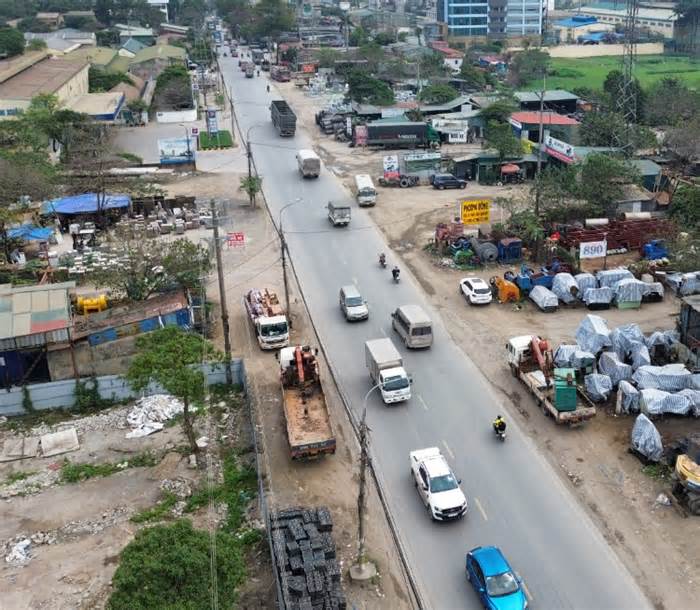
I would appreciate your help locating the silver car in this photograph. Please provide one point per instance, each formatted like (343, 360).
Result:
(353, 306)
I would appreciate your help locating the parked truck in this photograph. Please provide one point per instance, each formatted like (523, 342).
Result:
(309, 429)
(555, 389)
(280, 74)
(339, 214)
(267, 317)
(401, 134)
(283, 118)
(386, 370)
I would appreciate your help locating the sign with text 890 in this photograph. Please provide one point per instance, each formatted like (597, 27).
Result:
(475, 211)
(593, 249)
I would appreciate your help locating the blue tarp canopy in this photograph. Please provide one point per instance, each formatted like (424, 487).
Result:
(30, 233)
(84, 204)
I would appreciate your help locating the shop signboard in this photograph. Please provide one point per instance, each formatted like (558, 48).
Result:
(475, 211)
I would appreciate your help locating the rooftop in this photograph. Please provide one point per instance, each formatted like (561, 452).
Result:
(46, 76)
(554, 95)
(97, 56)
(30, 310)
(576, 21)
(659, 14)
(161, 51)
(548, 118)
(133, 30)
(133, 45)
(97, 104)
(646, 167)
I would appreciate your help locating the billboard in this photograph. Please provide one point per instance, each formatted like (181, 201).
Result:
(475, 211)
(593, 249)
(391, 167)
(172, 151)
(212, 125)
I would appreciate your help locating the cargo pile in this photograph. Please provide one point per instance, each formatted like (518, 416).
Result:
(305, 559)
(621, 235)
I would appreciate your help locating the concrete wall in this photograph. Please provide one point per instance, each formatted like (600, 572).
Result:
(600, 50)
(111, 358)
(181, 116)
(61, 394)
(78, 85)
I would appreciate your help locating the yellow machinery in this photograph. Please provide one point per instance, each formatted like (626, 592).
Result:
(88, 305)
(687, 489)
(507, 291)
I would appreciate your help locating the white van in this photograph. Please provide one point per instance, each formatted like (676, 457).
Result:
(309, 163)
(413, 325)
(364, 190)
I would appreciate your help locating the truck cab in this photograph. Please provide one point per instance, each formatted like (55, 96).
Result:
(273, 332)
(518, 349)
(395, 385)
(338, 214)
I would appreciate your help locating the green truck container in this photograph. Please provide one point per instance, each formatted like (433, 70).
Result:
(565, 389)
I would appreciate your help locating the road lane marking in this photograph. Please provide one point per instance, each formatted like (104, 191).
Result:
(527, 591)
(481, 509)
(422, 403)
(449, 451)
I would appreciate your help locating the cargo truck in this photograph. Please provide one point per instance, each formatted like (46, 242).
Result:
(250, 71)
(402, 134)
(386, 370)
(309, 163)
(309, 430)
(267, 317)
(555, 390)
(280, 74)
(283, 118)
(338, 214)
(257, 55)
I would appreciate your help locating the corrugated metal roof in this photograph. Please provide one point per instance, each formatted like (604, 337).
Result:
(554, 95)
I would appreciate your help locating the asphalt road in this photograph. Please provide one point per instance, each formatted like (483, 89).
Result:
(516, 500)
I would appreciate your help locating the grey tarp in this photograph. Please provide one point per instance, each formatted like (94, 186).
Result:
(685, 284)
(654, 288)
(623, 337)
(658, 402)
(671, 377)
(640, 355)
(598, 387)
(609, 364)
(629, 397)
(629, 290)
(565, 287)
(572, 356)
(598, 296)
(593, 334)
(694, 398)
(645, 438)
(610, 277)
(585, 281)
(660, 338)
(544, 298)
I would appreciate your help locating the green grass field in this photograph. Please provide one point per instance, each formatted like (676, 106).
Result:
(591, 71)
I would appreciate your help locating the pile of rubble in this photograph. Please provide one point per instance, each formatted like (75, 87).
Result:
(305, 559)
(150, 412)
(32, 484)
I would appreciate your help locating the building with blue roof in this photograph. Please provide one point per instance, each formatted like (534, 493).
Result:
(570, 30)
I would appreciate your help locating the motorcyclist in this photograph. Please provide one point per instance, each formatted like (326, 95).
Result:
(499, 425)
(268, 88)
(395, 272)
(382, 259)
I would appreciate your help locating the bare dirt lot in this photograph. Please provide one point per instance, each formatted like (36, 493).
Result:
(657, 543)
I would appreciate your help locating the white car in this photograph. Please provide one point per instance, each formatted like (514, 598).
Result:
(475, 290)
(437, 485)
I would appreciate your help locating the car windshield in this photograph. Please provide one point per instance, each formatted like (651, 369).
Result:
(353, 301)
(273, 330)
(482, 291)
(501, 584)
(443, 483)
(394, 383)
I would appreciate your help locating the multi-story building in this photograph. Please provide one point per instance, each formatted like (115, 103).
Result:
(492, 18)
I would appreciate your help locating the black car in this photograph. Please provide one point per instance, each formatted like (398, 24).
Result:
(447, 181)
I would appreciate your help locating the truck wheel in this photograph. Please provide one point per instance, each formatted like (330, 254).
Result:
(694, 504)
(404, 183)
(514, 370)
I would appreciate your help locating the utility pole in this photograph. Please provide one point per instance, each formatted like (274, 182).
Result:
(249, 154)
(283, 242)
(540, 141)
(222, 293)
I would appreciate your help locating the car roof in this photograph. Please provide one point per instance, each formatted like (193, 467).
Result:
(350, 290)
(491, 560)
(473, 280)
(444, 176)
(436, 466)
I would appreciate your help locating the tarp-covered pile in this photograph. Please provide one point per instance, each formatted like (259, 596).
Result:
(645, 438)
(671, 378)
(565, 287)
(630, 290)
(598, 387)
(572, 356)
(85, 204)
(685, 284)
(585, 281)
(30, 233)
(658, 402)
(628, 397)
(593, 334)
(609, 364)
(545, 299)
(640, 355)
(598, 296)
(624, 337)
(610, 277)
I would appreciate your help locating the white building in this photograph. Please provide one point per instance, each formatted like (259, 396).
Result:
(659, 20)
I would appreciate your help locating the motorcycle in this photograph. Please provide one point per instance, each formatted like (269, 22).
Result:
(395, 274)
(382, 261)
(501, 434)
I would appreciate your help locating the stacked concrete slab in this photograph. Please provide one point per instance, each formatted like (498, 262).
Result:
(305, 559)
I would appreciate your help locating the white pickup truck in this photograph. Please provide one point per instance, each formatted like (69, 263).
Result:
(437, 485)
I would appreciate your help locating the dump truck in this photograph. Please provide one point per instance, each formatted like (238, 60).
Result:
(267, 317)
(385, 367)
(280, 73)
(555, 390)
(309, 430)
(283, 118)
(401, 134)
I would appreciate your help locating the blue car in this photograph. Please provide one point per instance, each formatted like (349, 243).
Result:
(495, 582)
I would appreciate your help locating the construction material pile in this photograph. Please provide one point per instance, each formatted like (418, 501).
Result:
(305, 559)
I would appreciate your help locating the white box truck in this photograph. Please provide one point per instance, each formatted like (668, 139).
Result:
(309, 163)
(386, 370)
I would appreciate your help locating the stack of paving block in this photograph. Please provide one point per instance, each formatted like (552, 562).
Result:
(305, 559)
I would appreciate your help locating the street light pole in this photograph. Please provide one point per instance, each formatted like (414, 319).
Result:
(363, 569)
(283, 243)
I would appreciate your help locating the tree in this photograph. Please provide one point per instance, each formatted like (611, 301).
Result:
(384, 38)
(11, 42)
(475, 77)
(600, 129)
(99, 80)
(501, 137)
(612, 87)
(498, 112)
(358, 37)
(251, 186)
(527, 66)
(437, 94)
(671, 102)
(169, 566)
(327, 57)
(689, 17)
(364, 88)
(432, 64)
(170, 357)
(271, 18)
(85, 23)
(601, 181)
(36, 44)
(684, 141)
(685, 206)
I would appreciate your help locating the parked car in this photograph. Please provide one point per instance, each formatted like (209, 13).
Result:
(447, 181)
(495, 582)
(437, 485)
(475, 290)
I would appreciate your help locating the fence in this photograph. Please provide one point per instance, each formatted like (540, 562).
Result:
(61, 394)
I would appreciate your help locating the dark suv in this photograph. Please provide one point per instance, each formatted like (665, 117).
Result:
(447, 181)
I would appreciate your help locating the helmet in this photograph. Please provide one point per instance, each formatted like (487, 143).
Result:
(498, 417)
